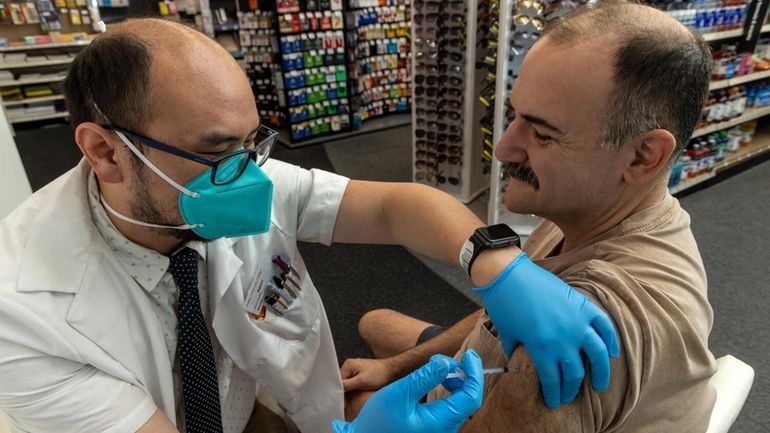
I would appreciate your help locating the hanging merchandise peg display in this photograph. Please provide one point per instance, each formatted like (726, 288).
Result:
(445, 83)
(315, 77)
(259, 45)
(379, 58)
(520, 24)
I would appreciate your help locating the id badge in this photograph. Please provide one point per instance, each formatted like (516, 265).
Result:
(258, 288)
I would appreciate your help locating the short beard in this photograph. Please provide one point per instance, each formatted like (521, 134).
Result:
(142, 207)
(522, 173)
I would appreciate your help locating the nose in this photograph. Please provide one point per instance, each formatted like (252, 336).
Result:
(512, 145)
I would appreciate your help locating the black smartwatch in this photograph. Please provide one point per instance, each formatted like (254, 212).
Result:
(485, 238)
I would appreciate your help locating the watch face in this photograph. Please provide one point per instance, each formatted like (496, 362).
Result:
(498, 232)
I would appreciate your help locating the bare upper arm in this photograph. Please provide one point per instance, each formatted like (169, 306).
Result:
(158, 423)
(513, 402)
(360, 218)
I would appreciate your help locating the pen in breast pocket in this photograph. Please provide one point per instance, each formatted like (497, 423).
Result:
(459, 374)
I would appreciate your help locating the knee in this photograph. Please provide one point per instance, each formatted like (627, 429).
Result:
(374, 322)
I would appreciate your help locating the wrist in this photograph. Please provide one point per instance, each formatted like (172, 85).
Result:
(399, 366)
(489, 264)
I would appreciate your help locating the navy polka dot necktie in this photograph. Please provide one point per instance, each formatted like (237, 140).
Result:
(199, 373)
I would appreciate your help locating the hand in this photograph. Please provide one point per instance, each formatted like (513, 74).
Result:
(554, 322)
(396, 407)
(366, 374)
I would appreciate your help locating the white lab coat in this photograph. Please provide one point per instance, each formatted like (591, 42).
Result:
(63, 294)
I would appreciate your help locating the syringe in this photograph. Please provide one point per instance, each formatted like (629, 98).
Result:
(459, 374)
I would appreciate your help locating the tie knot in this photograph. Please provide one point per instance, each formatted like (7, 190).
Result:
(184, 265)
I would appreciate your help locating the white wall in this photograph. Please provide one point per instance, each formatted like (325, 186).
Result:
(14, 185)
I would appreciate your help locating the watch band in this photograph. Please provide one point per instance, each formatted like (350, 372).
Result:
(469, 252)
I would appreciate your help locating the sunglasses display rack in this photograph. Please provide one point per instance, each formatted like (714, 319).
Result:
(444, 94)
(520, 24)
(488, 32)
(259, 46)
(314, 64)
(379, 56)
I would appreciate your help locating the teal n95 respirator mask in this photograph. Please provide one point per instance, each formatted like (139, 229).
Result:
(239, 207)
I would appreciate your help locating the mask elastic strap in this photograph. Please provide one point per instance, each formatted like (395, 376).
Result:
(152, 166)
(140, 223)
(144, 159)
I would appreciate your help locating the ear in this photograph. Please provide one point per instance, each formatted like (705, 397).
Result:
(97, 145)
(647, 156)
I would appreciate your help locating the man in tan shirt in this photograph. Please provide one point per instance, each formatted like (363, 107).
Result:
(605, 102)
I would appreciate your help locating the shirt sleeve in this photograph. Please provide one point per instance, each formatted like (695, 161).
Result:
(312, 197)
(42, 393)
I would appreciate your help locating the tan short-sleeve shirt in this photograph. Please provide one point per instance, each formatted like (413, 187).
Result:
(647, 274)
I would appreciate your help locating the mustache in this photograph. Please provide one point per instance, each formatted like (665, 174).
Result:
(522, 173)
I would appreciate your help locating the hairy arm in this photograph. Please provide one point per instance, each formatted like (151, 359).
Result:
(418, 217)
(513, 403)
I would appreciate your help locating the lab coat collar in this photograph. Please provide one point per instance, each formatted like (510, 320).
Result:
(62, 237)
(223, 264)
(65, 253)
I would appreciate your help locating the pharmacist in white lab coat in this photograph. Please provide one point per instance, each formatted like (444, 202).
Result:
(94, 266)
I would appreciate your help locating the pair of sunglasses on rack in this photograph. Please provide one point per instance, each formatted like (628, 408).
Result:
(421, 176)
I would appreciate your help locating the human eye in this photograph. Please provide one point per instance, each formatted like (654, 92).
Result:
(542, 138)
(250, 143)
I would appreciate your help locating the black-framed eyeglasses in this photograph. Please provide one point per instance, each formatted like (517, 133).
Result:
(224, 169)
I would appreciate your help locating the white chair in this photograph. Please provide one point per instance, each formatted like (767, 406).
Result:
(3, 424)
(732, 383)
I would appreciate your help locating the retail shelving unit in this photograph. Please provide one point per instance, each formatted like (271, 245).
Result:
(719, 36)
(259, 47)
(36, 59)
(378, 55)
(758, 147)
(467, 171)
(315, 70)
(761, 143)
(756, 76)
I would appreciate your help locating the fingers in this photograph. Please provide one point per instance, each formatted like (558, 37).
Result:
(351, 379)
(453, 384)
(599, 360)
(572, 374)
(603, 326)
(427, 377)
(340, 426)
(468, 398)
(354, 383)
(550, 381)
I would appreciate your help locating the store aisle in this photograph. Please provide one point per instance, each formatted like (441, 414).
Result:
(730, 221)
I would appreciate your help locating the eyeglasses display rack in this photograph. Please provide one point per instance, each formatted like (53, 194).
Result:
(315, 70)
(445, 88)
(380, 65)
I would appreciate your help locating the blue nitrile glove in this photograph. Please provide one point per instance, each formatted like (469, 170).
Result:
(397, 408)
(554, 322)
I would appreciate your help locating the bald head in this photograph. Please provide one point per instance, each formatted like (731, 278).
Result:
(616, 20)
(138, 65)
(661, 70)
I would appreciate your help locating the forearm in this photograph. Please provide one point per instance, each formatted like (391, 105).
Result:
(429, 221)
(418, 217)
(447, 343)
(433, 223)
